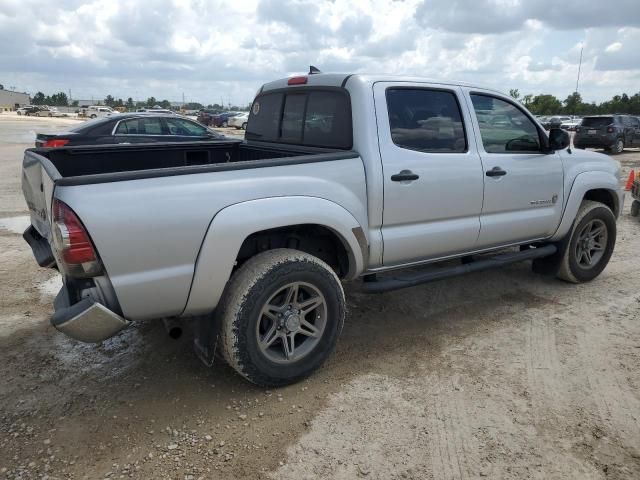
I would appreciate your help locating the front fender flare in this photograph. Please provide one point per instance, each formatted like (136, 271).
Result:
(233, 224)
(582, 183)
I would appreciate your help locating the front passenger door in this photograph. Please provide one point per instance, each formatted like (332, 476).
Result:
(523, 187)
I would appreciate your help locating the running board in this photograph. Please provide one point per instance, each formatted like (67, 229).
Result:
(411, 280)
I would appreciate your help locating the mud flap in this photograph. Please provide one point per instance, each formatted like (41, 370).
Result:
(205, 339)
(551, 265)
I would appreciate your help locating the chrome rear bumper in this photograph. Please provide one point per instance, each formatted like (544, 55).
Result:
(87, 320)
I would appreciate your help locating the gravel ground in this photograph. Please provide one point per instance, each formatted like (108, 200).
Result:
(502, 374)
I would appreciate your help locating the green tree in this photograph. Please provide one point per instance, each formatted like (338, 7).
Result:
(526, 100)
(165, 104)
(38, 99)
(59, 99)
(514, 93)
(545, 105)
(151, 101)
(109, 101)
(193, 106)
(573, 104)
(130, 105)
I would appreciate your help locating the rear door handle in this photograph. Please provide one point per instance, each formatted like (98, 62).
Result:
(496, 172)
(404, 175)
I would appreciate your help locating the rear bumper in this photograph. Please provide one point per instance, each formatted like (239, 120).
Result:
(87, 320)
(594, 142)
(40, 247)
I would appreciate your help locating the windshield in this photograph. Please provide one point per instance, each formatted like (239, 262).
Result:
(597, 122)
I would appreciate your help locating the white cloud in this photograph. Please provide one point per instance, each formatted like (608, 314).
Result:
(614, 47)
(215, 50)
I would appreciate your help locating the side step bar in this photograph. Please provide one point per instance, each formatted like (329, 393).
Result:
(411, 280)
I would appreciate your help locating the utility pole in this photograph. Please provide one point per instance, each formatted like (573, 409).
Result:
(575, 95)
(579, 68)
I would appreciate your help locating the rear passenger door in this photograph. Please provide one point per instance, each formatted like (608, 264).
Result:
(523, 187)
(432, 172)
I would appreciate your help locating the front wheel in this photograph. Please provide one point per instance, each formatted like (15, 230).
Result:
(591, 244)
(244, 126)
(280, 317)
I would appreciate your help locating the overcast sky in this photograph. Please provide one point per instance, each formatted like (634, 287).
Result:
(219, 50)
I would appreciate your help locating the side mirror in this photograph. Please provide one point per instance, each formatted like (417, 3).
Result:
(558, 139)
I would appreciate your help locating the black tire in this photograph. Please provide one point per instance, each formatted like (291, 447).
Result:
(93, 116)
(224, 125)
(240, 311)
(244, 126)
(19, 113)
(571, 268)
(635, 208)
(618, 147)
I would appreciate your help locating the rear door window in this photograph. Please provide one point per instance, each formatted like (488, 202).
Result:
(304, 116)
(426, 120)
(140, 126)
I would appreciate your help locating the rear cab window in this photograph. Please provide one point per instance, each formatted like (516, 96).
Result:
(307, 116)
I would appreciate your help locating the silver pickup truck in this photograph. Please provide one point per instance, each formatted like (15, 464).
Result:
(340, 177)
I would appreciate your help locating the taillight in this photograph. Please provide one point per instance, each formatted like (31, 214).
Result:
(73, 243)
(58, 142)
(609, 129)
(297, 80)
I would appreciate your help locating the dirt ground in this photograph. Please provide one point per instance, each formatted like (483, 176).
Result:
(503, 374)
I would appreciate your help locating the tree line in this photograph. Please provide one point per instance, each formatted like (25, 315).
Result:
(60, 99)
(574, 105)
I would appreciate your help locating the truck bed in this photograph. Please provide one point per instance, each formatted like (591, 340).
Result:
(108, 163)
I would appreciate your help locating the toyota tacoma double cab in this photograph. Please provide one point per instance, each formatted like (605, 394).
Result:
(339, 177)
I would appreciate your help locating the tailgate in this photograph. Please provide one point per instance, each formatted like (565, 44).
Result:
(38, 180)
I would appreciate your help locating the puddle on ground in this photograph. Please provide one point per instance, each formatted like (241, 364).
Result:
(15, 224)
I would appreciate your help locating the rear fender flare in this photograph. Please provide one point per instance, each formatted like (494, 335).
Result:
(233, 224)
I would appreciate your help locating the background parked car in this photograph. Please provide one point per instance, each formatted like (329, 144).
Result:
(222, 119)
(611, 132)
(27, 110)
(45, 111)
(571, 125)
(155, 110)
(130, 128)
(96, 111)
(239, 121)
(205, 116)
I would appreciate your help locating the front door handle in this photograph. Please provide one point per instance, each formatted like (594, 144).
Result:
(496, 172)
(404, 175)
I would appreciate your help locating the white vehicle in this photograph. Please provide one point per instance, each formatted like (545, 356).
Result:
(96, 111)
(239, 121)
(45, 111)
(154, 110)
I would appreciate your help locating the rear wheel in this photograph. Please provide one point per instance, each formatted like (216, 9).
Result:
(635, 208)
(93, 115)
(244, 126)
(591, 244)
(618, 147)
(280, 317)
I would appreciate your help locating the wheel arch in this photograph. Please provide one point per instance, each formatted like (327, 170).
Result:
(238, 225)
(598, 186)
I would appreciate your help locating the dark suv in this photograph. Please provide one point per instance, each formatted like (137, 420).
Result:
(611, 132)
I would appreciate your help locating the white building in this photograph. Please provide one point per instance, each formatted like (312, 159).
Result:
(9, 100)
